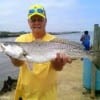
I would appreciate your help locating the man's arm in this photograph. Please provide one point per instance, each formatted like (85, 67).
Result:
(82, 37)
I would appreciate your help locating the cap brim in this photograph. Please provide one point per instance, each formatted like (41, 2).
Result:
(29, 17)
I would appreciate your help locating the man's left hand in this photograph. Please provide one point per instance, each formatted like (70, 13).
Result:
(60, 60)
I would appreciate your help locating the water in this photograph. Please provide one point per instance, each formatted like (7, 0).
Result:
(7, 39)
(75, 37)
(7, 68)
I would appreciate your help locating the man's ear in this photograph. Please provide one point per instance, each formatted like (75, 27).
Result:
(46, 20)
(28, 21)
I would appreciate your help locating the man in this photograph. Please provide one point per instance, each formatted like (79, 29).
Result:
(40, 82)
(85, 38)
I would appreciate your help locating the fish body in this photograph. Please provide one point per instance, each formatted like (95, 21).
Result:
(42, 51)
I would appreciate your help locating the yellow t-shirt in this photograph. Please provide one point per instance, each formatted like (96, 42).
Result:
(40, 83)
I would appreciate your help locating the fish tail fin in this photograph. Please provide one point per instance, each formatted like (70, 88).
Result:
(93, 52)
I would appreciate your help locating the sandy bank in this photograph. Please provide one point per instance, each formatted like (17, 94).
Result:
(69, 84)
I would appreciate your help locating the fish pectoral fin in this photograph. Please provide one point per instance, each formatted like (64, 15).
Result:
(29, 65)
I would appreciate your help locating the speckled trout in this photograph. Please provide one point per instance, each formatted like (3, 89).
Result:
(41, 51)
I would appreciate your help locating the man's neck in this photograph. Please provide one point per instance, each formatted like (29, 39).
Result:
(39, 35)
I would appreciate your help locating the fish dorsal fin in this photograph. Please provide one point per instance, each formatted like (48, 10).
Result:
(59, 40)
(37, 41)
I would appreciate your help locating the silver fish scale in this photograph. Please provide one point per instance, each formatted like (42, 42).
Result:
(47, 49)
(71, 48)
(67, 42)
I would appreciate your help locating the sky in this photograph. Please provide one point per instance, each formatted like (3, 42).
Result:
(62, 15)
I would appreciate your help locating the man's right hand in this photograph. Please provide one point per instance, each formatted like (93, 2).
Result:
(16, 62)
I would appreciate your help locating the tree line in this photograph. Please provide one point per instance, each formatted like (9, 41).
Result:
(10, 34)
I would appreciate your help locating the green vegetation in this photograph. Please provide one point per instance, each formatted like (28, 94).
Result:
(10, 34)
(59, 33)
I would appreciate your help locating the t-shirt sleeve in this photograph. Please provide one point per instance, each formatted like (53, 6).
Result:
(20, 39)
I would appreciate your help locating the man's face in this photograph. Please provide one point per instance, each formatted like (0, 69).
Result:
(37, 23)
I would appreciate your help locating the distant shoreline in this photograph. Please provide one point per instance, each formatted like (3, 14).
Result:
(10, 34)
(60, 33)
(15, 34)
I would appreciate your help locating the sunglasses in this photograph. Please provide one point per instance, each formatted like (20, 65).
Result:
(37, 19)
(41, 11)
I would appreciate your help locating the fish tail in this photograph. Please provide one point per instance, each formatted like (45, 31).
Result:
(93, 52)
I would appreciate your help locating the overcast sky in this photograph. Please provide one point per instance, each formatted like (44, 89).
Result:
(62, 15)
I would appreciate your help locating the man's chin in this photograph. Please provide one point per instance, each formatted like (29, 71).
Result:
(37, 30)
